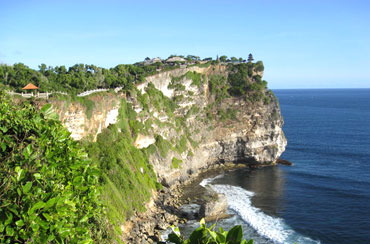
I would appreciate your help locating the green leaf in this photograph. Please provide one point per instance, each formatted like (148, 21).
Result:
(9, 231)
(213, 234)
(84, 219)
(198, 235)
(19, 223)
(51, 237)
(64, 231)
(174, 238)
(27, 187)
(20, 175)
(47, 216)
(221, 238)
(37, 176)
(202, 221)
(176, 230)
(37, 206)
(27, 151)
(51, 202)
(48, 112)
(235, 234)
(9, 218)
(3, 146)
(42, 223)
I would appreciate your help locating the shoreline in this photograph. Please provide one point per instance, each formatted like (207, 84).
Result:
(163, 210)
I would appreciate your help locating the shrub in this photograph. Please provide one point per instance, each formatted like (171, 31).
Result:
(163, 145)
(205, 235)
(48, 186)
(176, 162)
(259, 66)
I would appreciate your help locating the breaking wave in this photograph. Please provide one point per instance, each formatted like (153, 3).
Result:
(273, 228)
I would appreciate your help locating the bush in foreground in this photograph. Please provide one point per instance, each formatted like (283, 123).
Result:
(205, 235)
(48, 187)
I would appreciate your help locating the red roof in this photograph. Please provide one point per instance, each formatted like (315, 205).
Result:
(30, 86)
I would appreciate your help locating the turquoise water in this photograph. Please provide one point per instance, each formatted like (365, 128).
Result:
(325, 196)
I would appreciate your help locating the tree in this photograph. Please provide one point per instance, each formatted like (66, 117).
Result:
(190, 58)
(223, 58)
(233, 59)
(250, 58)
(42, 68)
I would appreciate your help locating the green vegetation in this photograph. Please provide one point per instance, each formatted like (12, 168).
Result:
(244, 80)
(218, 87)
(176, 162)
(228, 114)
(223, 58)
(162, 145)
(78, 78)
(84, 101)
(48, 187)
(181, 145)
(159, 101)
(191, 75)
(127, 177)
(205, 235)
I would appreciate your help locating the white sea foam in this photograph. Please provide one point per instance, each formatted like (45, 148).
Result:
(272, 228)
(209, 180)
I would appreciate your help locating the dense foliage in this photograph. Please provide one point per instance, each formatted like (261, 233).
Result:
(244, 77)
(48, 186)
(75, 79)
(127, 177)
(205, 235)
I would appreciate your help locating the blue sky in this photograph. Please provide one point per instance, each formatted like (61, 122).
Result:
(303, 43)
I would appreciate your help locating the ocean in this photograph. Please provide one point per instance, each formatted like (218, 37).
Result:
(325, 197)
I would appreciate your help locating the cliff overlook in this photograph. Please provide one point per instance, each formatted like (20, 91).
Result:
(173, 124)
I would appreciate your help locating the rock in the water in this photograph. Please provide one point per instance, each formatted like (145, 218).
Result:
(190, 211)
(284, 162)
(216, 206)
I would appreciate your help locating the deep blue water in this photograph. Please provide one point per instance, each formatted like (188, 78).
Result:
(325, 196)
(327, 192)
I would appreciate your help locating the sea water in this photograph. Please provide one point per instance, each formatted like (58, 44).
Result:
(325, 197)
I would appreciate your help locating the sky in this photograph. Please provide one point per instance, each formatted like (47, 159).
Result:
(302, 43)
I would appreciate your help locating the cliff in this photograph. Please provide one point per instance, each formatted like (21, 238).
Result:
(173, 125)
(254, 134)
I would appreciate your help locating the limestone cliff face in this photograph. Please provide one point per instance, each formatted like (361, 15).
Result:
(253, 136)
(83, 121)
